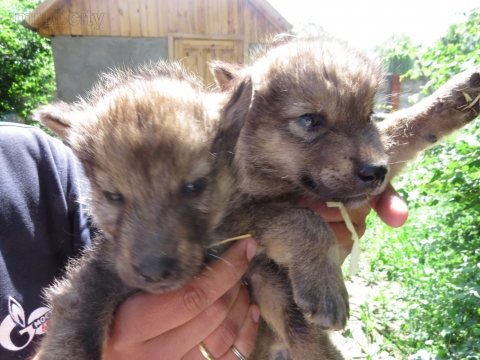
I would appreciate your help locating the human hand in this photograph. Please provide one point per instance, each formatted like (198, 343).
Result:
(213, 309)
(389, 206)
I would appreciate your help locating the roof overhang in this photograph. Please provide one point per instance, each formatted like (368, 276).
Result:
(37, 17)
(272, 14)
(41, 14)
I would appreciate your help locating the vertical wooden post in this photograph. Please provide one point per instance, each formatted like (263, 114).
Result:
(395, 92)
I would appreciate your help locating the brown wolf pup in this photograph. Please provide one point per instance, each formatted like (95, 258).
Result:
(304, 109)
(156, 108)
(143, 138)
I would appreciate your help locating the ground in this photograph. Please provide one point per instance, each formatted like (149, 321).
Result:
(353, 341)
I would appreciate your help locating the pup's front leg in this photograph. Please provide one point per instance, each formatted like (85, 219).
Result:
(302, 241)
(83, 304)
(289, 335)
(408, 132)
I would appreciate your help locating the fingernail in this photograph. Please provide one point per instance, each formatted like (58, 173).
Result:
(251, 250)
(255, 314)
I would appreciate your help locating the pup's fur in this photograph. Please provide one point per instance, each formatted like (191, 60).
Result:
(278, 159)
(144, 140)
(307, 132)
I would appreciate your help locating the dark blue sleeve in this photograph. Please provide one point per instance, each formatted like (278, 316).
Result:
(42, 225)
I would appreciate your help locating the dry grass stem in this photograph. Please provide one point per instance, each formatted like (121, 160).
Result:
(355, 250)
(230, 239)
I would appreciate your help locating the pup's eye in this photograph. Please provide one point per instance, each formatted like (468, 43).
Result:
(113, 196)
(310, 121)
(195, 187)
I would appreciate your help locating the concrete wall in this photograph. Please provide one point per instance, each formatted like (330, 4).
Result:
(79, 60)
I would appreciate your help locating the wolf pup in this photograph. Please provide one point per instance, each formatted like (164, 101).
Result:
(304, 124)
(143, 138)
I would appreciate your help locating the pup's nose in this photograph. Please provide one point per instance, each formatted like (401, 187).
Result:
(156, 268)
(370, 174)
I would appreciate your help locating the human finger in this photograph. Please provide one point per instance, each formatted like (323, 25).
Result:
(145, 316)
(223, 337)
(344, 238)
(333, 214)
(177, 342)
(173, 344)
(337, 223)
(390, 207)
(246, 338)
(330, 214)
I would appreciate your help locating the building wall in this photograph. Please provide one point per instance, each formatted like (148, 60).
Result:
(79, 60)
(91, 36)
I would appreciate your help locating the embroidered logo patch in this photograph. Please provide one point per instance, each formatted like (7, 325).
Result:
(16, 332)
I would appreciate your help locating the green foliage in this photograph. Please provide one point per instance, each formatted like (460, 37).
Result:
(397, 53)
(27, 75)
(426, 274)
(435, 258)
(458, 50)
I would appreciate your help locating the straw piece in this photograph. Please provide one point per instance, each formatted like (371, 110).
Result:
(466, 96)
(355, 250)
(470, 102)
(230, 239)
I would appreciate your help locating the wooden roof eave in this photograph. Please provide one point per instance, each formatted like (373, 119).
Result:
(38, 16)
(272, 15)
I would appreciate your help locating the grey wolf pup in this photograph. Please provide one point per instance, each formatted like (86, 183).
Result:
(302, 111)
(295, 279)
(144, 139)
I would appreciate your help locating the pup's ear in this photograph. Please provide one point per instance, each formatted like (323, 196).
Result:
(226, 75)
(233, 119)
(58, 117)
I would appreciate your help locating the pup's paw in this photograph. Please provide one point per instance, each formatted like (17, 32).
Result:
(462, 93)
(324, 301)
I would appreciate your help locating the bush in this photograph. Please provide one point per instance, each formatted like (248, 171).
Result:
(435, 257)
(458, 50)
(27, 75)
(428, 306)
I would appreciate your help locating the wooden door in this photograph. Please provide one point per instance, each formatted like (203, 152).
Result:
(196, 53)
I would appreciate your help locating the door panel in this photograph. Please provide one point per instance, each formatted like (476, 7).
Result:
(196, 53)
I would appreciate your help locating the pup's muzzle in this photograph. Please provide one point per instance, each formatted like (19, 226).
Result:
(156, 268)
(372, 175)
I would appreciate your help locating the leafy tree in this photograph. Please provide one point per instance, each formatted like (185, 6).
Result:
(458, 50)
(436, 257)
(398, 53)
(434, 260)
(27, 75)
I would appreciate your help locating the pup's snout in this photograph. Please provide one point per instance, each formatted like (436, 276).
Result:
(370, 174)
(156, 268)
